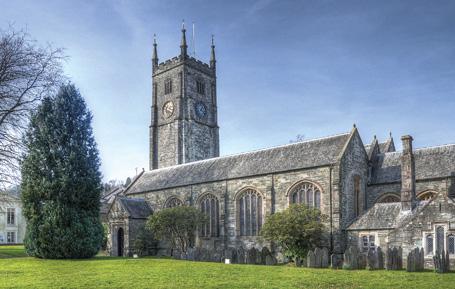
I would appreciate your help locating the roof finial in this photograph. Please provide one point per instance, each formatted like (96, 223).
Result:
(155, 53)
(183, 46)
(374, 137)
(390, 134)
(212, 55)
(354, 126)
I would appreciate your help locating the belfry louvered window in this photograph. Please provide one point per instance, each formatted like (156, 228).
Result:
(173, 202)
(210, 206)
(168, 86)
(249, 212)
(306, 193)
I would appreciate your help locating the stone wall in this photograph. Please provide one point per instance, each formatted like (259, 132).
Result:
(274, 189)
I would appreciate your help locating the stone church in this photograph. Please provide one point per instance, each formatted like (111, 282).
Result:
(372, 194)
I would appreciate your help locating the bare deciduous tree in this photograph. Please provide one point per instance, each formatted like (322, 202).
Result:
(28, 72)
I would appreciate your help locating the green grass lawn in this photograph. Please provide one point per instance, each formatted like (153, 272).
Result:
(107, 272)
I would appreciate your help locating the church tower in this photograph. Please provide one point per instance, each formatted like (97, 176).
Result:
(184, 125)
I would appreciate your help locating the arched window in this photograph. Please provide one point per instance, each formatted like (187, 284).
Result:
(305, 193)
(451, 244)
(426, 196)
(249, 205)
(173, 202)
(357, 206)
(429, 244)
(210, 207)
(389, 198)
(439, 239)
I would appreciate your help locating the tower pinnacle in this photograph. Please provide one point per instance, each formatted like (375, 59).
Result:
(212, 55)
(155, 53)
(183, 46)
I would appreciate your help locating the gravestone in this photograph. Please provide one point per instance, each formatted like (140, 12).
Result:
(351, 258)
(299, 262)
(394, 259)
(415, 262)
(231, 254)
(264, 253)
(336, 261)
(380, 258)
(240, 255)
(311, 259)
(372, 259)
(317, 258)
(190, 254)
(251, 256)
(325, 258)
(441, 262)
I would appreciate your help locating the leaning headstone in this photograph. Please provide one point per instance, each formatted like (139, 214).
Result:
(372, 259)
(380, 258)
(311, 259)
(422, 258)
(400, 258)
(336, 261)
(241, 256)
(441, 262)
(351, 258)
(362, 262)
(251, 256)
(325, 258)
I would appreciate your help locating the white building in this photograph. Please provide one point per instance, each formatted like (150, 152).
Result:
(12, 223)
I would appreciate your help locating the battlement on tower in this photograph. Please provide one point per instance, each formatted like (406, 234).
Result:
(176, 61)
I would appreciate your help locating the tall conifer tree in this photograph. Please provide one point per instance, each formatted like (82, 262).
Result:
(61, 181)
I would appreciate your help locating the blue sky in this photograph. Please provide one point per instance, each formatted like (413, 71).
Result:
(284, 67)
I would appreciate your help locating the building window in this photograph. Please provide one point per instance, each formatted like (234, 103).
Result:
(210, 206)
(368, 242)
(10, 216)
(439, 239)
(451, 244)
(306, 193)
(250, 212)
(426, 196)
(389, 198)
(200, 87)
(173, 202)
(429, 244)
(11, 237)
(168, 86)
(357, 207)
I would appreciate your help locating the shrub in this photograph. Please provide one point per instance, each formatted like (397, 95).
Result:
(177, 226)
(296, 230)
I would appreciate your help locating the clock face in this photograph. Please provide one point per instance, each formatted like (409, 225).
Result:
(168, 109)
(201, 109)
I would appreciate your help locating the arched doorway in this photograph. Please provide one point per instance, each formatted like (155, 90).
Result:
(120, 239)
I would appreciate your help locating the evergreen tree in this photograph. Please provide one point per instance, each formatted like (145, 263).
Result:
(61, 181)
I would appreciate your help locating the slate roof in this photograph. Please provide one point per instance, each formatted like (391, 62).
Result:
(380, 216)
(384, 216)
(433, 162)
(306, 154)
(136, 208)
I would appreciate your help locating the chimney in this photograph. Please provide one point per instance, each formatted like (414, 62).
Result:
(408, 177)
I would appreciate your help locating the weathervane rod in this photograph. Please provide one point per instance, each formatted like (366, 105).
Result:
(194, 42)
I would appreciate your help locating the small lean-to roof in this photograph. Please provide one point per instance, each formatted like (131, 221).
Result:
(430, 163)
(381, 216)
(136, 208)
(305, 154)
